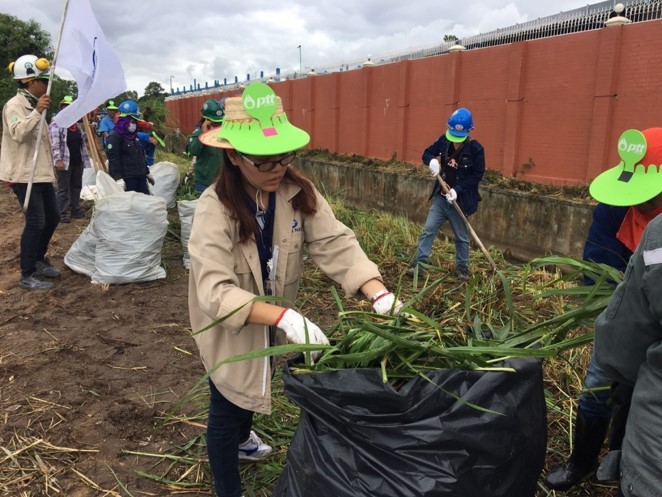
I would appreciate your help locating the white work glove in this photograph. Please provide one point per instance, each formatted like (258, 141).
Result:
(451, 196)
(150, 178)
(383, 302)
(294, 325)
(434, 167)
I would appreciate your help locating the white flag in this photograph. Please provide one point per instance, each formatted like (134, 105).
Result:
(87, 55)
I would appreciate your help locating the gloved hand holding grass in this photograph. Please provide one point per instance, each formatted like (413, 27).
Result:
(295, 327)
(384, 302)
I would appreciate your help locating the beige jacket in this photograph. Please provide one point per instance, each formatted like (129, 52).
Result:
(225, 275)
(20, 123)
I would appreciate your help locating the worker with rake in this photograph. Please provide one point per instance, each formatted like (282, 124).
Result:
(455, 193)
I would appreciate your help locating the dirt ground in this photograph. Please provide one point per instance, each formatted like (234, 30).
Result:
(86, 371)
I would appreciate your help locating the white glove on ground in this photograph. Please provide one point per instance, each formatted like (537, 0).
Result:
(451, 196)
(294, 325)
(434, 167)
(384, 301)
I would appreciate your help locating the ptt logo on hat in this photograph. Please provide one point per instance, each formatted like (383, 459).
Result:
(260, 103)
(631, 149)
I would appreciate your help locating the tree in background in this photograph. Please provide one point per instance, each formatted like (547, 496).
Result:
(152, 104)
(18, 38)
(450, 38)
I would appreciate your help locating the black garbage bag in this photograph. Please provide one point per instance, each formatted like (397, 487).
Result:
(360, 437)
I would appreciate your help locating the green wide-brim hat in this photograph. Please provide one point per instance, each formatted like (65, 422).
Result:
(256, 124)
(638, 178)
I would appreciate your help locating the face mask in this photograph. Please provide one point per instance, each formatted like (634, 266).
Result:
(131, 128)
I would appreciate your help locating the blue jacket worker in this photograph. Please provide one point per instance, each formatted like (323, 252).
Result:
(460, 160)
(126, 159)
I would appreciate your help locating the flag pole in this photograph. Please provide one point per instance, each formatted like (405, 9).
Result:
(92, 146)
(43, 113)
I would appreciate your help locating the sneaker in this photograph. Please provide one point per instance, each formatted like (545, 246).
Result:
(253, 449)
(462, 274)
(78, 214)
(412, 271)
(33, 283)
(65, 219)
(45, 269)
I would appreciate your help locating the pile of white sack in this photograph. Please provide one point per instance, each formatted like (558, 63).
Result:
(123, 242)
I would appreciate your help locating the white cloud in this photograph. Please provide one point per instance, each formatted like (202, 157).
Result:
(209, 41)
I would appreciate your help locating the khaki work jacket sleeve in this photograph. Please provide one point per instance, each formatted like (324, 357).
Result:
(214, 286)
(335, 249)
(22, 123)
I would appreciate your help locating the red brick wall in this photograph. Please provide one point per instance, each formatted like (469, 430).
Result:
(547, 110)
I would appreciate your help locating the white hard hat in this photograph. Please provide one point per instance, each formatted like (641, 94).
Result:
(29, 66)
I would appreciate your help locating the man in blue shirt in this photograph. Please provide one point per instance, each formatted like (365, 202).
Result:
(108, 123)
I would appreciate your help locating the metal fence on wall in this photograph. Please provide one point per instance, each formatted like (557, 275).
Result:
(582, 19)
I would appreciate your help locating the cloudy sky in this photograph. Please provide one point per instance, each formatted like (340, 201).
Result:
(181, 40)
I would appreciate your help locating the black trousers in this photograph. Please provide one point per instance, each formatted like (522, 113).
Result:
(69, 185)
(41, 219)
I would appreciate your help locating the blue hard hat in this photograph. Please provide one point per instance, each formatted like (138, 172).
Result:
(459, 125)
(129, 108)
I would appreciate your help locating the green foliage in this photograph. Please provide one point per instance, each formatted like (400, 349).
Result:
(18, 38)
(154, 90)
(127, 95)
(152, 105)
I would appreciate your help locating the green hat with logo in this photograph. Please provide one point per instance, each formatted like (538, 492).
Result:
(256, 124)
(213, 111)
(638, 178)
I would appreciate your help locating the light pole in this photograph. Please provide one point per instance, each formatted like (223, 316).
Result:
(171, 76)
(300, 64)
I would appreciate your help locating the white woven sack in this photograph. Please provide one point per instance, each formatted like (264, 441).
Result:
(80, 256)
(130, 228)
(89, 176)
(166, 182)
(106, 185)
(186, 208)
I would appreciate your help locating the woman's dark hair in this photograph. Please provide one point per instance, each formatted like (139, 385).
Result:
(231, 193)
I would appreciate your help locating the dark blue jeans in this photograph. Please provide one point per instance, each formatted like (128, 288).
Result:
(41, 219)
(596, 404)
(228, 425)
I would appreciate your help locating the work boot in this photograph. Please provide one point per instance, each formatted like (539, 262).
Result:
(589, 436)
(609, 469)
(415, 269)
(462, 274)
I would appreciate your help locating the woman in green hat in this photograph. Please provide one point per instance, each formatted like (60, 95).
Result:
(247, 239)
